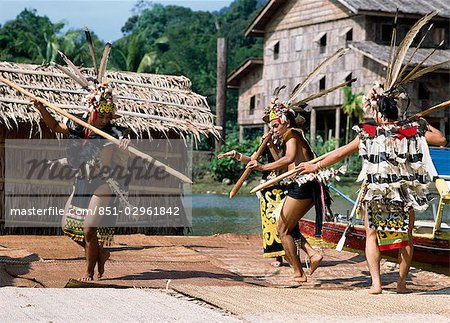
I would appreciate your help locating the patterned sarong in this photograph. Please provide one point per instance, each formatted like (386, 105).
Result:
(391, 240)
(270, 199)
(78, 210)
(74, 223)
(391, 227)
(271, 204)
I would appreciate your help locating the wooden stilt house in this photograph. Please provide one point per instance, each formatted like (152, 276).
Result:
(299, 34)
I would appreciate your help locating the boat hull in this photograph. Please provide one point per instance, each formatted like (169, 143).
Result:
(428, 251)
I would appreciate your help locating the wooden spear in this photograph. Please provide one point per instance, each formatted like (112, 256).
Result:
(132, 150)
(431, 110)
(287, 174)
(247, 171)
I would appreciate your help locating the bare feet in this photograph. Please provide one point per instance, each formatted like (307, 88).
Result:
(401, 289)
(278, 262)
(300, 279)
(102, 258)
(314, 262)
(87, 278)
(375, 290)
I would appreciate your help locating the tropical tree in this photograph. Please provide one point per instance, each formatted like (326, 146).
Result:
(73, 44)
(352, 107)
(29, 38)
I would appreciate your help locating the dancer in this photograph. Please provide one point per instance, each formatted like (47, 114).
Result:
(301, 196)
(396, 178)
(270, 200)
(94, 191)
(100, 181)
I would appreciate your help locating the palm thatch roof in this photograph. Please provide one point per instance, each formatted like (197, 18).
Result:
(146, 102)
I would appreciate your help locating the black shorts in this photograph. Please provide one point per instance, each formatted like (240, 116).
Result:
(302, 192)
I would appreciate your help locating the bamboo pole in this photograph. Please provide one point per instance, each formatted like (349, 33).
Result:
(286, 174)
(247, 171)
(132, 150)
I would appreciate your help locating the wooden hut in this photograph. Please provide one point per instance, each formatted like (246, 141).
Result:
(152, 106)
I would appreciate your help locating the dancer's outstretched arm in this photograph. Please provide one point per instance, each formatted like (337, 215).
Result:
(338, 155)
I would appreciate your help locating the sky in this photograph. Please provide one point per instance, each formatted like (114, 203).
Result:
(104, 17)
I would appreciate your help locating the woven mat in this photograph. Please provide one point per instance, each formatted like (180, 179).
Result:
(13, 255)
(246, 300)
(130, 274)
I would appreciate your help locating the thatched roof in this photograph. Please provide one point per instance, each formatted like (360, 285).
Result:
(145, 101)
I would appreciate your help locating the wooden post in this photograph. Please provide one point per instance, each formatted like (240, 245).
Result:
(313, 127)
(241, 133)
(338, 125)
(221, 94)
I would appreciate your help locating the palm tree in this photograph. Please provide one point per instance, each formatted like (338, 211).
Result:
(352, 107)
(132, 53)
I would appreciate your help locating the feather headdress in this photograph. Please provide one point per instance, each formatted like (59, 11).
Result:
(100, 97)
(396, 76)
(279, 108)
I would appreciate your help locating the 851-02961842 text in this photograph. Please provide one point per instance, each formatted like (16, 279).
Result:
(138, 211)
(106, 210)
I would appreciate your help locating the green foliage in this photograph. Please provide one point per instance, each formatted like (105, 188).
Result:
(29, 38)
(229, 167)
(189, 45)
(322, 147)
(35, 39)
(199, 170)
(352, 107)
(232, 24)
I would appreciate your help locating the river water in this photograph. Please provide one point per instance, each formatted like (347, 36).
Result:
(213, 214)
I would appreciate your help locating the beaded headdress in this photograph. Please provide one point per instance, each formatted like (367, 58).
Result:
(100, 98)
